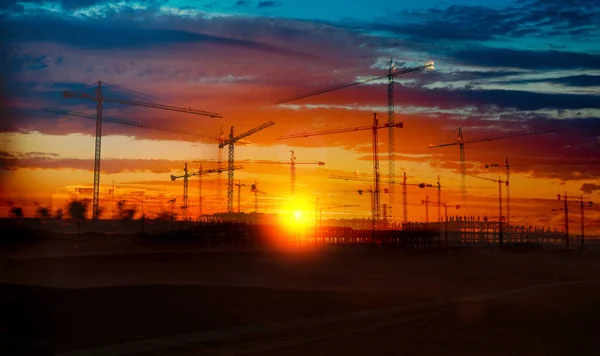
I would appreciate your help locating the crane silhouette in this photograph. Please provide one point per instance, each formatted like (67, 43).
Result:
(100, 99)
(460, 142)
(376, 210)
(390, 75)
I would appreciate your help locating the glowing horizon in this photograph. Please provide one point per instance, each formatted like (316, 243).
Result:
(239, 59)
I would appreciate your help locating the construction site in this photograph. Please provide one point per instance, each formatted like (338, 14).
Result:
(202, 263)
(220, 200)
(299, 177)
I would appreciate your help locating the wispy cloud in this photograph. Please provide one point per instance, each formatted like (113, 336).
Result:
(534, 18)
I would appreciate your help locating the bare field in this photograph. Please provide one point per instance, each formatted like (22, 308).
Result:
(321, 302)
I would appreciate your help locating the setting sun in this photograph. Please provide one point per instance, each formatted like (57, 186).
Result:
(296, 214)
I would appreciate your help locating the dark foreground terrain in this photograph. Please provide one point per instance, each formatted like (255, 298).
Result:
(360, 302)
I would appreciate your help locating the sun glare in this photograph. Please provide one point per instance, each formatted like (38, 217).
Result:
(296, 214)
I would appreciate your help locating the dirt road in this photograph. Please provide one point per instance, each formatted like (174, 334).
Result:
(328, 303)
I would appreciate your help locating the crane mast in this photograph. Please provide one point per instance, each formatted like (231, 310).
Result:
(97, 154)
(507, 193)
(500, 182)
(256, 191)
(426, 203)
(292, 172)
(376, 178)
(391, 136)
(184, 207)
(230, 158)
(239, 185)
(230, 175)
(507, 166)
(200, 191)
(463, 169)
(439, 196)
(404, 200)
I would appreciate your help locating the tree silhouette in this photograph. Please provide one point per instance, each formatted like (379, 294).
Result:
(78, 209)
(42, 211)
(124, 212)
(16, 212)
(165, 216)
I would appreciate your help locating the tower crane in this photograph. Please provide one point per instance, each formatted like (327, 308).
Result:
(565, 198)
(426, 203)
(373, 217)
(221, 139)
(500, 182)
(239, 185)
(125, 122)
(230, 157)
(461, 144)
(319, 211)
(439, 196)
(507, 188)
(292, 162)
(100, 99)
(392, 73)
(256, 191)
(404, 189)
(508, 166)
(253, 188)
(199, 173)
(376, 212)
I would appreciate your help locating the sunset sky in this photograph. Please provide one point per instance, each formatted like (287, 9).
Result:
(501, 67)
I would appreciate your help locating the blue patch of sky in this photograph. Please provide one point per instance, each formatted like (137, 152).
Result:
(331, 10)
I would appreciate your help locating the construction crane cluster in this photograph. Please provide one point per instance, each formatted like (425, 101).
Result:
(376, 210)
(582, 204)
(500, 216)
(100, 99)
(379, 211)
(461, 145)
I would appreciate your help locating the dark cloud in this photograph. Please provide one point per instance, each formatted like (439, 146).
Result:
(33, 160)
(504, 57)
(486, 101)
(11, 6)
(77, 4)
(521, 100)
(541, 18)
(243, 3)
(424, 78)
(583, 80)
(263, 4)
(589, 188)
(72, 4)
(93, 34)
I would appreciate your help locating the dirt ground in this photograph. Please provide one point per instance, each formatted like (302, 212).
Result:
(371, 302)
